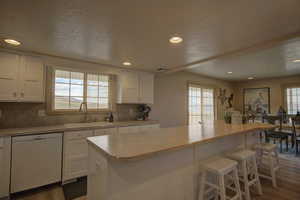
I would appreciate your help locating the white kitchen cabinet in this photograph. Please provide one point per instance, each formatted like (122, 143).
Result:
(128, 129)
(137, 129)
(21, 78)
(146, 88)
(5, 154)
(128, 87)
(105, 131)
(9, 74)
(135, 87)
(75, 156)
(32, 80)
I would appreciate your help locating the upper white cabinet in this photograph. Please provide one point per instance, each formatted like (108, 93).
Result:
(32, 80)
(9, 73)
(135, 87)
(21, 78)
(146, 88)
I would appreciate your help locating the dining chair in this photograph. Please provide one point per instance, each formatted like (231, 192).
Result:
(295, 122)
(276, 133)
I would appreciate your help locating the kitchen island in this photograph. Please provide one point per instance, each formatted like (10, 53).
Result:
(162, 164)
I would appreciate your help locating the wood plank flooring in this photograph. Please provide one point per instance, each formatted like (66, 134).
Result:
(288, 185)
(285, 191)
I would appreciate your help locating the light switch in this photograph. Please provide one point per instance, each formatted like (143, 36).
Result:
(41, 113)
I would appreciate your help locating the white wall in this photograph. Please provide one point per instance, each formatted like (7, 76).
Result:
(170, 96)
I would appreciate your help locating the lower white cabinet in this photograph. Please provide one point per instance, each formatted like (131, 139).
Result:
(106, 131)
(5, 154)
(136, 129)
(75, 161)
(75, 156)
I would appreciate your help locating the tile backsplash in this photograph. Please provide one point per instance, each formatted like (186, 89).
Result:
(17, 115)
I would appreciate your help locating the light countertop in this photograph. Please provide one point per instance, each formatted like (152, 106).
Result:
(135, 145)
(71, 127)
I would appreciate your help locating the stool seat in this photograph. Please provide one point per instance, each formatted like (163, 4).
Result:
(219, 165)
(266, 146)
(247, 169)
(242, 155)
(223, 169)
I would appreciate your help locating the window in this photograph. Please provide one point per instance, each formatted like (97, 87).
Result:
(97, 91)
(201, 104)
(293, 100)
(73, 88)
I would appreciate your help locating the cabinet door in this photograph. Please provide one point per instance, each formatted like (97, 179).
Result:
(75, 154)
(129, 129)
(9, 68)
(5, 147)
(106, 131)
(146, 86)
(32, 80)
(128, 87)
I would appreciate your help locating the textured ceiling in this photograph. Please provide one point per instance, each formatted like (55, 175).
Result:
(266, 63)
(112, 31)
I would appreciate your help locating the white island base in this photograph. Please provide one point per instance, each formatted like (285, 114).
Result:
(166, 175)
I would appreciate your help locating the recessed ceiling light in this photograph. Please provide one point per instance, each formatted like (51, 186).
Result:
(229, 72)
(295, 61)
(250, 78)
(12, 42)
(127, 63)
(176, 40)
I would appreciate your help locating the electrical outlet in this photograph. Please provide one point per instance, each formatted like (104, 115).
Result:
(41, 113)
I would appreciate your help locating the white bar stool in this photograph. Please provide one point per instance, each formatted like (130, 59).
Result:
(247, 169)
(268, 151)
(222, 168)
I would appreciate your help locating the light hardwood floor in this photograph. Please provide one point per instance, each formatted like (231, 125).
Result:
(285, 191)
(288, 185)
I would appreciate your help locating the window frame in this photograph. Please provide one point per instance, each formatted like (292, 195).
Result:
(50, 88)
(285, 96)
(199, 85)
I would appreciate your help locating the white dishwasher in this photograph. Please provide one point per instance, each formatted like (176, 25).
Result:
(36, 161)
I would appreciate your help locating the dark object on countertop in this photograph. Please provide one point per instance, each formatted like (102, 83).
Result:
(75, 189)
(111, 117)
(144, 111)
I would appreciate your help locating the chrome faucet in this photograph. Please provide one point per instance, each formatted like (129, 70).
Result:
(83, 108)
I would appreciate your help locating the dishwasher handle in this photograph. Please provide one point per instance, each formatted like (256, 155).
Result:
(29, 138)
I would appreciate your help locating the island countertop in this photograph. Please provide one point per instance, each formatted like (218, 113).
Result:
(135, 145)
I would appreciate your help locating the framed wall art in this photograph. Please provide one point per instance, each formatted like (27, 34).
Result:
(257, 100)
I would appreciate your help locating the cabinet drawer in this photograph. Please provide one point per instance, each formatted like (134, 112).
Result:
(73, 135)
(76, 147)
(129, 129)
(106, 131)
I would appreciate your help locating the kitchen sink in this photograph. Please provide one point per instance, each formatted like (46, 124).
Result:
(87, 124)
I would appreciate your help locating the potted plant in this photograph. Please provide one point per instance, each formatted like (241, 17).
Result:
(227, 117)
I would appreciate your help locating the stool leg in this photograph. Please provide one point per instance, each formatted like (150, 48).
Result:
(202, 186)
(237, 183)
(258, 185)
(277, 157)
(246, 181)
(272, 166)
(222, 187)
